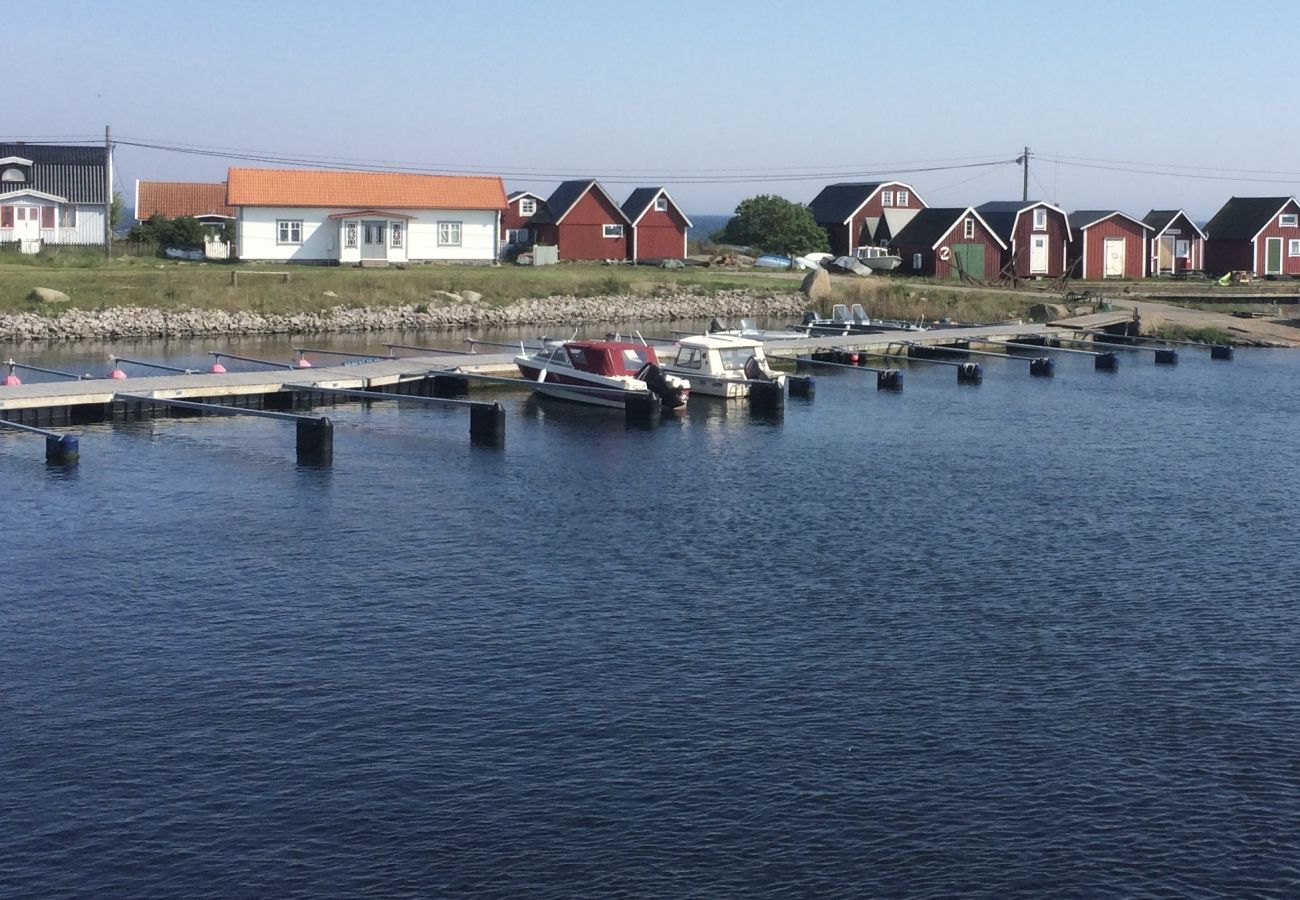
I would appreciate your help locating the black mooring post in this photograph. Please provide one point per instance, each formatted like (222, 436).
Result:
(889, 380)
(970, 373)
(768, 396)
(1106, 362)
(1042, 366)
(643, 408)
(1166, 357)
(315, 442)
(62, 450)
(1220, 351)
(487, 422)
(802, 385)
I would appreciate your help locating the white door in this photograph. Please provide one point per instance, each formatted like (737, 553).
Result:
(27, 223)
(1114, 256)
(374, 240)
(1038, 253)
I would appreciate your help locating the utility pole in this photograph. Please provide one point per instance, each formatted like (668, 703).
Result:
(1024, 191)
(108, 193)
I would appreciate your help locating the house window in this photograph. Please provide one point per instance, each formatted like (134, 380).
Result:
(517, 236)
(67, 217)
(6, 217)
(350, 235)
(1293, 247)
(1287, 220)
(1040, 219)
(13, 175)
(449, 234)
(613, 231)
(902, 198)
(886, 198)
(916, 261)
(661, 204)
(47, 216)
(395, 230)
(968, 229)
(288, 231)
(527, 207)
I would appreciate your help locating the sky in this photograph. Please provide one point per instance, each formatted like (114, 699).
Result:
(1123, 105)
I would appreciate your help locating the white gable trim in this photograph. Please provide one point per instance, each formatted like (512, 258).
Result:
(970, 211)
(880, 187)
(40, 195)
(663, 192)
(525, 195)
(1016, 223)
(1113, 215)
(15, 161)
(1180, 212)
(1277, 212)
(604, 193)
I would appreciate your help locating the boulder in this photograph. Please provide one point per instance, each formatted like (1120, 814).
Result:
(471, 296)
(448, 295)
(47, 295)
(816, 285)
(1047, 312)
(329, 294)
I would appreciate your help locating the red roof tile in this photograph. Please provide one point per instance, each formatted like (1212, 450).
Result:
(181, 198)
(371, 190)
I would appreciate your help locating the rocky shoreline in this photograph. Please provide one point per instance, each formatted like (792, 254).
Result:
(142, 322)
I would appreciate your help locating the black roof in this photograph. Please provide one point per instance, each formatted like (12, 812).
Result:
(563, 198)
(927, 226)
(1082, 217)
(1241, 218)
(836, 202)
(75, 173)
(1159, 218)
(515, 195)
(1001, 215)
(638, 201)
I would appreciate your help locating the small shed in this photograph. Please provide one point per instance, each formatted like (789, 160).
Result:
(1259, 235)
(1106, 243)
(852, 212)
(521, 206)
(1036, 233)
(948, 243)
(583, 221)
(1177, 245)
(659, 225)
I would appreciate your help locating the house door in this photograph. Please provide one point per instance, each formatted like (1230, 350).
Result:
(1273, 254)
(1114, 256)
(1038, 253)
(27, 223)
(968, 258)
(374, 240)
(1165, 254)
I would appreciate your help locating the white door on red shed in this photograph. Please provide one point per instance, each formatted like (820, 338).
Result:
(1038, 253)
(1114, 257)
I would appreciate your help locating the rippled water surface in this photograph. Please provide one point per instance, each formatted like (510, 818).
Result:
(1036, 637)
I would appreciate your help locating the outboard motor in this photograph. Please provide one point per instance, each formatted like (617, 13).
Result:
(671, 390)
(754, 370)
(809, 318)
(716, 325)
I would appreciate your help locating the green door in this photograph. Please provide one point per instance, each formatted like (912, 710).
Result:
(968, 258)
(1274, 264)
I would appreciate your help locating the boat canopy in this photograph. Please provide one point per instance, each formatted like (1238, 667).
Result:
(609, 358)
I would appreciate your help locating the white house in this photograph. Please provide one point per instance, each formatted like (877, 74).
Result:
(52, 194)
(364, 218)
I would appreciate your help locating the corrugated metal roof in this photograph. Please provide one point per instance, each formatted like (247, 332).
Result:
(372, 190)
(73, 172)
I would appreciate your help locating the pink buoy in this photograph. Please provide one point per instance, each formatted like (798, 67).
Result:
(217, 369)
(11, 380)
(117, 374)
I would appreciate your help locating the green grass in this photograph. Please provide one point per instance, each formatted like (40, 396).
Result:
(91, 282)
(913, 300)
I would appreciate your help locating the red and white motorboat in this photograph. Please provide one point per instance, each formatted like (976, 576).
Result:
(602, 373)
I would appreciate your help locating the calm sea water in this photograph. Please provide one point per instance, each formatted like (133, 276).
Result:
(1032, 638)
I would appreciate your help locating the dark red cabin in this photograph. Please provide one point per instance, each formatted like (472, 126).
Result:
(1037, 236)
(1259, 235)
(583, 222)
(1107, 243)
(863, 214)
(946, 243)
(658, 225)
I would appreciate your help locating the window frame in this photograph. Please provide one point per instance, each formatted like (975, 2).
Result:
(67, 216)
(1293, 247)
(607, 234)
(661, 203)
(527, 206)
(395, 235)
(445, 227)
(902, 198)
(886, 198)
(1288, 220)
(1040, 218)
(918, 261)
(968, 229)
(289, 227)
(351, 235)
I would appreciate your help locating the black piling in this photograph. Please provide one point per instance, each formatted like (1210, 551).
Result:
(315, 442)
(450, 386)
(62, 450)
(768, 396)
(1042, 366)
(970, 373)
(1166, 357)
(643, 408)
(487, 423)
(1106, 362)
(802, 386)
(1220, 351)
(889, 380)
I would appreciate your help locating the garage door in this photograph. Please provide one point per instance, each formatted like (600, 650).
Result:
(968, 258)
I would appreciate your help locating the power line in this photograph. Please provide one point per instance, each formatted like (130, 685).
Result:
(1153, 170)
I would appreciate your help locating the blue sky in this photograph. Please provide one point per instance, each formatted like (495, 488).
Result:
(718, 101)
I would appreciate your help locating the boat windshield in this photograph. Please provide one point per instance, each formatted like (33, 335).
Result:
(840, 313)
(734, 358)
(689, 358)
(633, 359)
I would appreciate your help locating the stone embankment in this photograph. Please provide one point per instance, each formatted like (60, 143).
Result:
(143, 322)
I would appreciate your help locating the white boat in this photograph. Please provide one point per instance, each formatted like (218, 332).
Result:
(722, 365)
(749, 329)
(601, 373)
(878, 259)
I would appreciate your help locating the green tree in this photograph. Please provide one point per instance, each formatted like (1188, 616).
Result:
(772, 224)
(184, 233)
